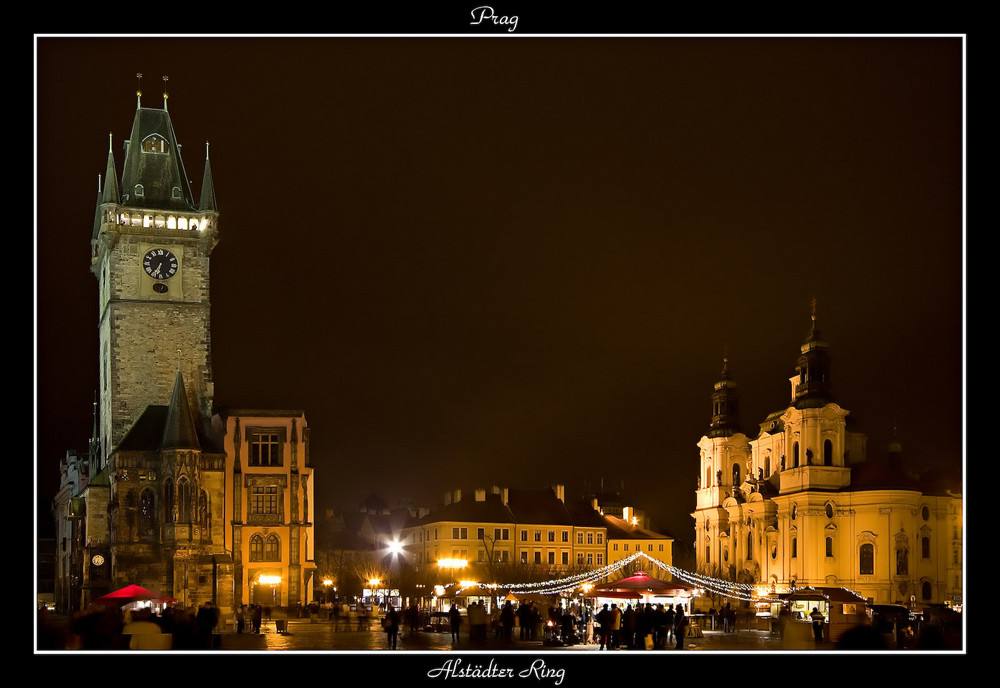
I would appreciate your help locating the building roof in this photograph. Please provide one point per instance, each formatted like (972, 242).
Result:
(490, 510)
(146, 434)
(159, 173)
(620, 529)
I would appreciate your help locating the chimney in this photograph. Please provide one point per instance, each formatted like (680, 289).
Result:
(627, 514)
(480, 495)
(447, 498)
(593, 503)
(560, 491)
(504, 494)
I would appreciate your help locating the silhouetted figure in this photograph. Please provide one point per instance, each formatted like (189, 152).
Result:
(456, 622)
(391, 626)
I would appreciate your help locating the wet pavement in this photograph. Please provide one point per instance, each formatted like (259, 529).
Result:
(324, 636)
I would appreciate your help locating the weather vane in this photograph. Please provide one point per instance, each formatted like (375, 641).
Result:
(138, 88)
(165, 94)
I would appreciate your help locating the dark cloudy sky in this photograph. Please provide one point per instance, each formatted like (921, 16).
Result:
(520, 262)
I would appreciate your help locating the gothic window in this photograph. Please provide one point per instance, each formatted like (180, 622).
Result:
(147, 513)
(827, 453)
(866, 559)
(168, 500)
(265, 449)
(183, 501)
(272, 548)
(256, 548)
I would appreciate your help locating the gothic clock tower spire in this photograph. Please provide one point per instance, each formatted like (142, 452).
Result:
(150, 253)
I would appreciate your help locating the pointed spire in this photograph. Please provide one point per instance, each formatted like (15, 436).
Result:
(207, 198)
(110, 194)
(138, 90)
(179, 430)
(165, 94)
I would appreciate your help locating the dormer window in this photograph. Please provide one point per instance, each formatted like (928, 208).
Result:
(138, 191)
(175, 192)
(154, 143)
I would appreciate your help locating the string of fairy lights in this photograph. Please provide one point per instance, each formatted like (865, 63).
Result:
(725, 588)
(746, 592)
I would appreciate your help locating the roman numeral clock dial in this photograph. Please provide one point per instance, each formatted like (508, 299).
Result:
(160, 264)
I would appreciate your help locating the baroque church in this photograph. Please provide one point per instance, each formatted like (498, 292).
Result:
(801, 504)
(197, 503)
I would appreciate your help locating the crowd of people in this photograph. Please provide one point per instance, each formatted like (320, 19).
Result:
(110, 628)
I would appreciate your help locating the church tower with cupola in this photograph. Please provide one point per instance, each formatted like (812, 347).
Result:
(725, 452)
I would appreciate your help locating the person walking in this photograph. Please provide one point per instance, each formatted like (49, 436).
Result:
(680, 622)
(605, 619)
(391, 626)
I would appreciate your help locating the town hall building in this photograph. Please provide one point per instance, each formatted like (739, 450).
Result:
(171, 496)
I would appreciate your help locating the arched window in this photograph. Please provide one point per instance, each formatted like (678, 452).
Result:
(866, 559)
(749, 546)
(925, 547)
(183, 501)
(829, 546)
(736, 474)
(767, 466)
(168, 500)
(203, 508)
(147, 513)
(272, 548)
(827, 453)
(925, 590)
(708, 477)
(795, 455)
(256, 548)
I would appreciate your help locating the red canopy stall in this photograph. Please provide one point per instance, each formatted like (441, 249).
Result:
(130, 594)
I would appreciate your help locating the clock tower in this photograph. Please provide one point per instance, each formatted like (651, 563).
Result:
(158, 522)
(150, 253)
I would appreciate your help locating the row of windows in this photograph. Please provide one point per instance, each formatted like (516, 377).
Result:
(765, 472)
(866, 554)
(638, 547)
(462, 533)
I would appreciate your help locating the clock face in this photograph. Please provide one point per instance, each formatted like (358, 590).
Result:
(160, 263)
(98, 560)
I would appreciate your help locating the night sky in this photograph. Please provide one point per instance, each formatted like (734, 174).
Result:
(478, 262)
